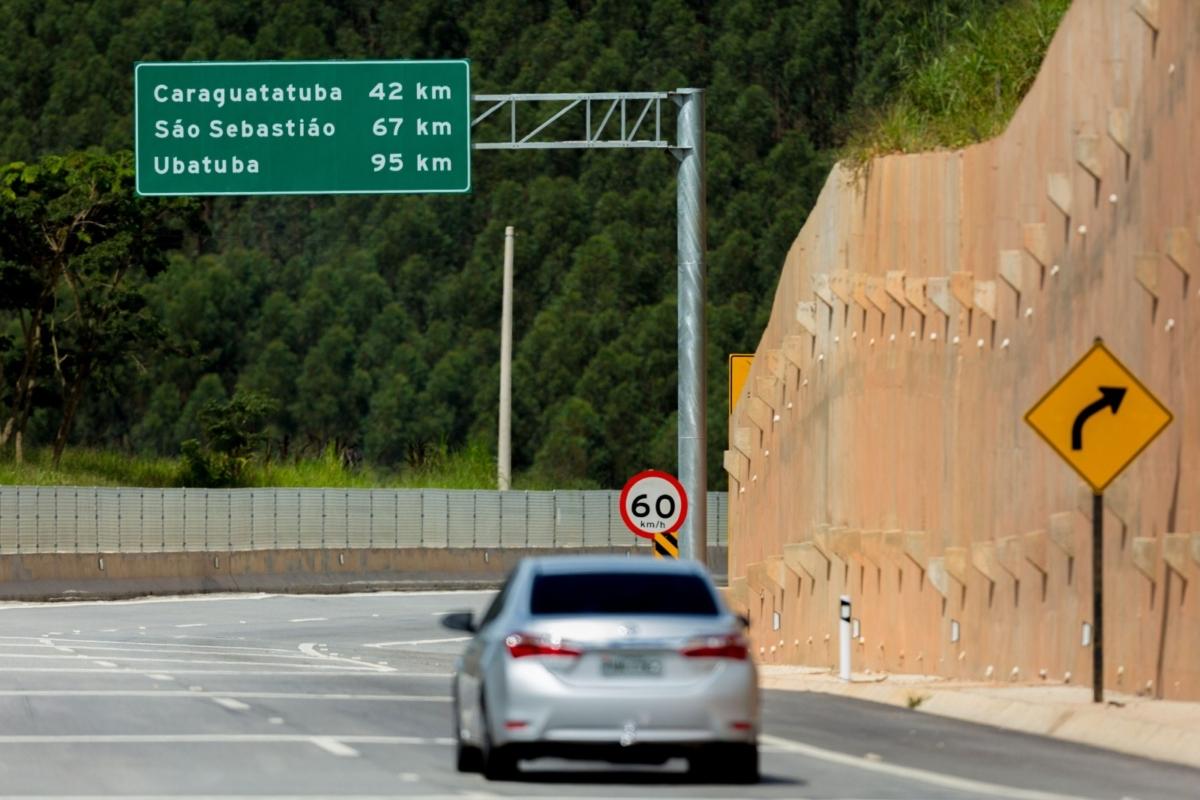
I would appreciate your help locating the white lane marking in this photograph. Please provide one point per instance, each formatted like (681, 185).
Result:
(108, 664)
(310, 619)
(911, 773)
(197, 691)
(108, 630)
(475, 795)
(275, 720)
(192, 625)
(158, 676)
(340, 672)
(419, 641)
(310, 649)
(203, 598)
(230, 703)
(78, 642)
(299, 665)
(287, 655)
(332, 745)
(48, 642)
(220, 738)
(409, 777)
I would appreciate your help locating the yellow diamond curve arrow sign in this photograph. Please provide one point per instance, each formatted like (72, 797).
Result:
(1098, 417)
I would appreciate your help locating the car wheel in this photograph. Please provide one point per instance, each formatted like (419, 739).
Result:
(467, 757)
(498, 763)
(730, 763)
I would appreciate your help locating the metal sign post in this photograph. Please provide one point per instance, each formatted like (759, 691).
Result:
(1098, 417)
(632, 121)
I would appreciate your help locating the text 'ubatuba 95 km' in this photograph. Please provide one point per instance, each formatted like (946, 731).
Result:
(303, 127)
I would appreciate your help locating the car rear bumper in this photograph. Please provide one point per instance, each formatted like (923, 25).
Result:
(722, 708)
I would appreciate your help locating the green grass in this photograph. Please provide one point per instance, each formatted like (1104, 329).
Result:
(470, 468)
(969, 90)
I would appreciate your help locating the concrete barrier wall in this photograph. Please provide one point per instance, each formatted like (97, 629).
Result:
(927, 304)
(66, 576)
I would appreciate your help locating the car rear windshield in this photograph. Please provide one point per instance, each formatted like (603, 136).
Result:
(622, 593)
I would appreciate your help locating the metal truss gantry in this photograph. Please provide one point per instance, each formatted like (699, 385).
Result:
(622, 120)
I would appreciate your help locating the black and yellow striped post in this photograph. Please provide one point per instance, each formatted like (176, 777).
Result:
(666, 545)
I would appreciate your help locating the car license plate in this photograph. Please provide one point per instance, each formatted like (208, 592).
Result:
(631, 667)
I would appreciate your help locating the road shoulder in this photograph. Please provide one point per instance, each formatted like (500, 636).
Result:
(1159, 729)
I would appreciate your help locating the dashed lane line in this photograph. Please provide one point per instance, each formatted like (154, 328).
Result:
(230, 703)
(310, 619)
(219, 738)
(332, 745)
(160, 694)
(193, 625)
(419, 641)
(313, 672)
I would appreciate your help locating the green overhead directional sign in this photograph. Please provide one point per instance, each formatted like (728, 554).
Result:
(302, 127)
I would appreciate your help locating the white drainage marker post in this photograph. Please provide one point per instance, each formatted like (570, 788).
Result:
(844, 640)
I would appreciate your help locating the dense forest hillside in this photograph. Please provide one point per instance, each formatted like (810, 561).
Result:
(370, 324)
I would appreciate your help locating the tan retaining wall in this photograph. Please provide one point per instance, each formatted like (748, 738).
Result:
(926, 305)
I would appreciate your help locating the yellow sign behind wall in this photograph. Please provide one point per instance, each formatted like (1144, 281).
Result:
(739, 370)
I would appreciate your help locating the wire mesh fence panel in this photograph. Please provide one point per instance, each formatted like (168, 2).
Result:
(108, 520)
(487, 519)
(311, 523)
(87, 539)
(151, 501)
(460, 518)
(514, 522)
(435, 517)
(383, 518)
(568, 519)
(541, 519)
(336, 510)
(8, 519)
(70, 519)
(409, 506)
(287, 519)
(27, 521)
(195, 519)
(594, 509)
(172, 520)
(360, 507)
(130, 520)
(218, 525)
(241, 519)
(264, 519)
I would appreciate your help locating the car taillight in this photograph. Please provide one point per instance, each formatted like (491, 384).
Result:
(731, 645)
(526, 644)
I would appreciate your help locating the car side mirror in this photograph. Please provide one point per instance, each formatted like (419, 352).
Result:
(459, 621)
(745, 620)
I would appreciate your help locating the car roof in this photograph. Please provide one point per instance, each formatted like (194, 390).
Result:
(575, 564)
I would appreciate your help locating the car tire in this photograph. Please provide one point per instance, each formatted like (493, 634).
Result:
(729, 763)
(467, 757)
(497, 761)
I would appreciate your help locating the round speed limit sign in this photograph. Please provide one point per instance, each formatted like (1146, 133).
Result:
(653, 502)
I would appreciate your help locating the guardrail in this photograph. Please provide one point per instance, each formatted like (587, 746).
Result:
(67, 519)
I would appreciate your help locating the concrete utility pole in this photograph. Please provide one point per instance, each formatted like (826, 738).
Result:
(691, 239)
(504, 449)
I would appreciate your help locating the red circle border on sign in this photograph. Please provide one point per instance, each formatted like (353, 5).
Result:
(652, 473)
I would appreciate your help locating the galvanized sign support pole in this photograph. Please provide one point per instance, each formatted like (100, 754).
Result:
(621, 120)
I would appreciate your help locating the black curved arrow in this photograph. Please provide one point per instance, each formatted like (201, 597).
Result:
(1110, 397)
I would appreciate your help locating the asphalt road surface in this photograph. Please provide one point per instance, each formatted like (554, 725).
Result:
(347, 696)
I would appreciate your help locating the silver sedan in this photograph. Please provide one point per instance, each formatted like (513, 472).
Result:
(613, 658)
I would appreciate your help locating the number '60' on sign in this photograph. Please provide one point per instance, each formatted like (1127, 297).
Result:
(653, 502)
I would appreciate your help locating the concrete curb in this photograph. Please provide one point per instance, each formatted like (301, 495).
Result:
(1163, 730)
